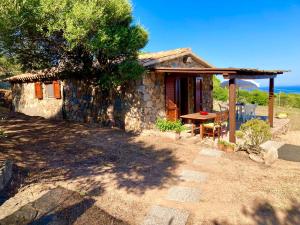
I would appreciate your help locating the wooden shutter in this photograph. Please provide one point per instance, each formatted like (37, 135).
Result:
(38, 90)
(198, 94)
(171, 107)
(56, 88)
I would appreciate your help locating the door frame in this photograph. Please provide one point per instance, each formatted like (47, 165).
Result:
(198, 94)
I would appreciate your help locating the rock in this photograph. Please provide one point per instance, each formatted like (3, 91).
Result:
(270, 151)
(256, 158)
(270, 156)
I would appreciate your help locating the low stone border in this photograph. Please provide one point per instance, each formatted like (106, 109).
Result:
(281, 126)
(5, 173)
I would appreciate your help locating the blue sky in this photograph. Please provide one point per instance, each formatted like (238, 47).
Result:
(262, 34)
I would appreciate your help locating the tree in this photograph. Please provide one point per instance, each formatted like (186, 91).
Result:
(8, 67)
(219, 93)
(93, 36)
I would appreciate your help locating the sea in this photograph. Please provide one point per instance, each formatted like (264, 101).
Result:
(284, 89)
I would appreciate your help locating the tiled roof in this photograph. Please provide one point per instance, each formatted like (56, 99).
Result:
(151, 59)
(41, 74)
(156, 57)
(146, 59)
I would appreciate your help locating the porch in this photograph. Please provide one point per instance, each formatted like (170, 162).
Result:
(174, 90)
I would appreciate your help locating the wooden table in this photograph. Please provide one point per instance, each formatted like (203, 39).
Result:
(201, 118)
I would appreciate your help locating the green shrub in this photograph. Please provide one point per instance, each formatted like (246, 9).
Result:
(226, 143)
(254, 132)
(219, 93)
(288, 100)
(167, 125)
(255, 97)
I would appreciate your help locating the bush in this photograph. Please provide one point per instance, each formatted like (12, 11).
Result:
(219, 93)
(288, 100)
(167, 125)
(254, 133)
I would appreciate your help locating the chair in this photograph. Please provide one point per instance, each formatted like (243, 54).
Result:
(223, 108)
(249, 112)
(219, 127)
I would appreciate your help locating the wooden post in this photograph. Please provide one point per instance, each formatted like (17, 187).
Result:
(232, 110)
(271, 102)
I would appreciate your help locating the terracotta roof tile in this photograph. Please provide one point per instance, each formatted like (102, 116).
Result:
(146, 59)
(41, 74)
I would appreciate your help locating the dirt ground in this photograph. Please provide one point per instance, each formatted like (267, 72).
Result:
(126, 174)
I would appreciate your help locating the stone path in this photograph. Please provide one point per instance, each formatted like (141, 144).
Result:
(190, 175)
(164, 215)
(159, 215)
(184, 194)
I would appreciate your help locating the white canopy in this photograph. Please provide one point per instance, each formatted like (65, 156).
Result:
(243, 84)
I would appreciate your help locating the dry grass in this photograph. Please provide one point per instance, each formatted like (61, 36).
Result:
(294, 115)
(128, 174)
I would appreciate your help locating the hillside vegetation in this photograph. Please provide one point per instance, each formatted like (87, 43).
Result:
(256, 96)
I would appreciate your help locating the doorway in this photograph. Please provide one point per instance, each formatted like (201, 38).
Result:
(183, 96)
(198, 105)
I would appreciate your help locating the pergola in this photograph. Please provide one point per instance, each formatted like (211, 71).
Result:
(232, 74)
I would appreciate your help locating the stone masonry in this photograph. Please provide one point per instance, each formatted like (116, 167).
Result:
(135, 107)
(24, 101)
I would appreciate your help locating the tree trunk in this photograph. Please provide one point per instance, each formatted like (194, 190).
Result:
(111, 108)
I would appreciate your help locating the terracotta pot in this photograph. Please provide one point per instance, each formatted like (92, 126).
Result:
(229, 149)
(221, 147)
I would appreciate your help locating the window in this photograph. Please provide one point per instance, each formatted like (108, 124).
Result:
(38, 90)
(50, 90)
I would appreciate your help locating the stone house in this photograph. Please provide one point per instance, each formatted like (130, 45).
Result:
(137, 106)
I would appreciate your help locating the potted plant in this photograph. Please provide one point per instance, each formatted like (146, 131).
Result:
(221, 145)
(226, 146)
(229, 147)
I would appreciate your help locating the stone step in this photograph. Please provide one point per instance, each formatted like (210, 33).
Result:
(159, 215)
(184, 194)
(194, 176)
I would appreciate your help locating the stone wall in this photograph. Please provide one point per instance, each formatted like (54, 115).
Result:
(84, 101)
(25, 101)
(153, 98)
(207, 93)
(135, 107)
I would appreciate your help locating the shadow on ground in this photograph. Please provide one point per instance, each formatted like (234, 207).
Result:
(60, 151)
(263, 213)
(289, 152)
(60, 206)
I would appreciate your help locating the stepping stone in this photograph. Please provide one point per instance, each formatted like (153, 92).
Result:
(184, 194)
(190, 175)
(211, 152)
(159, 215)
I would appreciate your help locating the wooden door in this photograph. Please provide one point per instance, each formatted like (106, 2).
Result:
(198, 94)
(171, 106)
